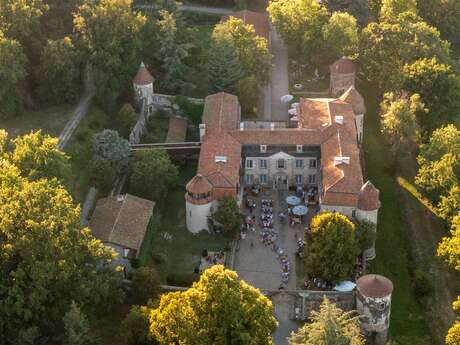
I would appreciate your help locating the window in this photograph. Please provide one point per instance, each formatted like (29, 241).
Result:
(263, 164)
(263, 148)
(299, 148)
(299, 163)
(263, 179)
(281, 164)
(249, 179)
(353, 213)
(313, 163)
(298, 179)
(249, 164)
(311, 179)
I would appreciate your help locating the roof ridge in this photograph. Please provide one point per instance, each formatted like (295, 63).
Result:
(118, 216)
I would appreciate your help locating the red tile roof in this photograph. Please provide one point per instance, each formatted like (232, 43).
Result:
(177, 130)
(258, 20)
(343, 65)
(221, 112)
(143, 76)
(369, 197)
(199, 185)
(353, 97)
(374, 286)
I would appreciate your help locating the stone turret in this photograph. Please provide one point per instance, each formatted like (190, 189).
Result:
(343, 74)
(373, 303)
(368, 209)
(143, 87)
(353, 97)
(198, 203)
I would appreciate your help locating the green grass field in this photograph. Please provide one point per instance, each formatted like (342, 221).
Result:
(51, 121)
(393, 243)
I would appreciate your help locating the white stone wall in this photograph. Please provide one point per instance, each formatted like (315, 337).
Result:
(197, 216)
(345, 210)
(144, 92)
(359, 119)
(375, 311)
(370, 216)
(290, 170)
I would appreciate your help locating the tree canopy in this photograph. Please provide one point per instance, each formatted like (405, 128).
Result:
(332, 247)
(109, 146)
(109, 32)
(228, 214)
(153, 174)
(224, 68)
(391, 9)
(217, 310)
(331, 325)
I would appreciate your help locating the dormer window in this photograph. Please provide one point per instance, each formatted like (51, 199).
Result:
(341, 160)
(299, 148)
(220, 159)
(339, 119)
(263, 148)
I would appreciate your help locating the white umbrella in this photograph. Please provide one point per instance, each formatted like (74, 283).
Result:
(295, 105)
(345, 286)
(287, 98)
(292, 111)
(294, 118)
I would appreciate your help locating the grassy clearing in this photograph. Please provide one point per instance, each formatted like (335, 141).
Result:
(393, 243)
(50, 120)
(169, 246)
(79, 149)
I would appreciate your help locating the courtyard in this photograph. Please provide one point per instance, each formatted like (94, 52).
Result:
(258, 263)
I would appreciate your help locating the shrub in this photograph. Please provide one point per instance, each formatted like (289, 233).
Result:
(145, 284)
(422, 283)
(102, 175)
(191, 110)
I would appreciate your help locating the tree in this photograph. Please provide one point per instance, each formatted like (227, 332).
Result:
(391, 9)
(47, 258)
(102, 175)
(171, 54)
(247, 97)
(332, 247)
(109, 146)
(330, 326)
(109, 32)
(399, 118)
(300, 23)
(136, 326)
(453, 336)
(60, 71)
(385, 48)
(12, 73)
(252, 50)
(340, 37)
(126, 119)
(366, 232)
(439, 161)
(145, 284)
(224, 68)
(449, 204)
(38, 156)
(76, 326)
(217, 310)
(228, 214)
(438, 85)
(153, 174)
(442, 14)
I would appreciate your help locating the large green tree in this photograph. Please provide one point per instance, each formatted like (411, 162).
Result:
(47, 259)
(340, 36)
(444, 15)
(329, 326)
(109, 146)
(12, 73)
(399, 121)
(76, 326)
(391, 9)
(153, 174)
(439, 86)
(219, 309)
(109, 31)
(224, 68)
(385, 48)
(252, 50)
(300, 24)
(228, 214)
(59, 71)
(332, 247)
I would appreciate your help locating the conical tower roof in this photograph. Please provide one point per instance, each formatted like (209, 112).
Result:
(199, 185)
(374, 286)
(368, 198)
(353, 97)
(143, 76)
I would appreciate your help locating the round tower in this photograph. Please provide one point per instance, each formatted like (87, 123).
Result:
(373, 303)
(143, 87)
(198, 203)
(353, 97)
(343, 74)
(368, 210)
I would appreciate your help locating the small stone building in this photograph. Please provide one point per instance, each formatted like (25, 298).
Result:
(198, 203)
(342, 77)
(143, 87)
(120, 222)
(373, 303)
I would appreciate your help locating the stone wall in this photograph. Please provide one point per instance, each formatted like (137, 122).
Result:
(308, 301)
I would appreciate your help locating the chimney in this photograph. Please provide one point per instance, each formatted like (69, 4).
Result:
(272, 126)
(202, 131)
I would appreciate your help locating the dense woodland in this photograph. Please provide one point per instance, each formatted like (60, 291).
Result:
(51, 286)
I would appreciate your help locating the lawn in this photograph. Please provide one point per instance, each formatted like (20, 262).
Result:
(169, 246)
(79, 150)
(393, 244)
(50, 120)
(305, 75)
